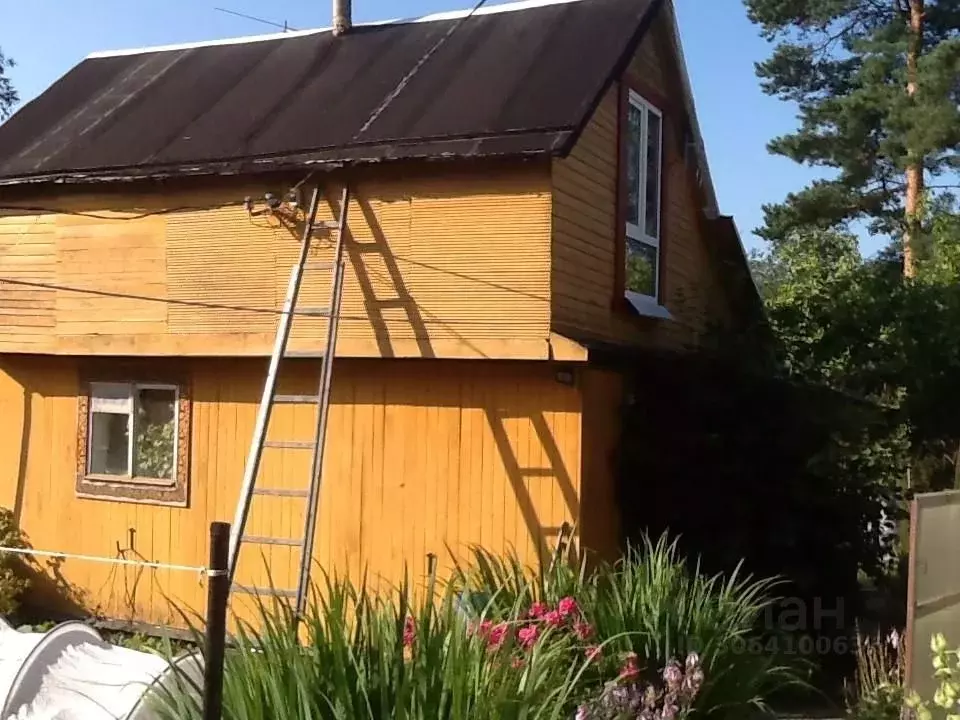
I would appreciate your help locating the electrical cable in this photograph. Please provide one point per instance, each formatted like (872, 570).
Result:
(190, 303)
(139, 216)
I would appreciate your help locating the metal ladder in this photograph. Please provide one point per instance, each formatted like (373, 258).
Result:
(311, 493)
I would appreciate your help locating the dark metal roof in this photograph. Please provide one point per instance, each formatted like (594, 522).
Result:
(512, 82)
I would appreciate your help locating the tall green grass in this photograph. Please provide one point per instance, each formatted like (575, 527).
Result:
(366, 656)
(351, 662)
(653, 604)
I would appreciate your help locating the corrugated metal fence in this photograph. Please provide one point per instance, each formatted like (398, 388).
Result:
(933, 586)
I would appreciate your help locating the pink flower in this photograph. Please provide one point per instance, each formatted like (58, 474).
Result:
(630, 668)
(528, 636)
(583, 630)
(496, 636)
(409, 631)
(538, 610)
(567, 607)
(593, 653)
(553, 618)
(482, 629)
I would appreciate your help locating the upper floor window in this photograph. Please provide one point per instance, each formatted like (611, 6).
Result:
(644, 135)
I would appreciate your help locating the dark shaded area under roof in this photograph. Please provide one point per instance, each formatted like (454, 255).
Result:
(507, 83)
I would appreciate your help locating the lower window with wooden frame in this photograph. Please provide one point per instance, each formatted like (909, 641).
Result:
(133, 436)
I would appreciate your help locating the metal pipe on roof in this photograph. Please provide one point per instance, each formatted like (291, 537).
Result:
(342, 16)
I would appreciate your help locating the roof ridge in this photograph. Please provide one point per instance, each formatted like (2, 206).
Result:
(516, 5)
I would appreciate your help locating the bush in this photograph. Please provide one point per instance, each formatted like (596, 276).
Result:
(12, 584)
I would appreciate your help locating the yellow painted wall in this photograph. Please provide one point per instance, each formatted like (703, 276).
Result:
(585, 223)
(446, 264)
(420, 455)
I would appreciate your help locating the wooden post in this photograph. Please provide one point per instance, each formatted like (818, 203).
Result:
(218, 589)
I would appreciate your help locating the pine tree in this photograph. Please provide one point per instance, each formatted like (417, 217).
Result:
(877, 84)
(8, 95)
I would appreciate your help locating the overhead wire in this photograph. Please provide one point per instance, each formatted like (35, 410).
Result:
(190, 303)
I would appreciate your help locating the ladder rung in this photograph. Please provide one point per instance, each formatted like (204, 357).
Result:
(326, 225)
(280, 492)
(263, 540)
(254, 590)
(289, 444)
(311, 354)
(295, 399)
(313, 311)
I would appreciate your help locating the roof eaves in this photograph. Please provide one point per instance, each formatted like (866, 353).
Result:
(541, 143)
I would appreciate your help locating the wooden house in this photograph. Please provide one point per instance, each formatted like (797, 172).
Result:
(531, 205)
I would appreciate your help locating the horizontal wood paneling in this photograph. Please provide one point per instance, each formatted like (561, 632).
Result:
(420, 456)
(27, 254)
(441, 265)
(583, 269)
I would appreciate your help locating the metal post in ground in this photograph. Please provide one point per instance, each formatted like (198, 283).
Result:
(218, 590)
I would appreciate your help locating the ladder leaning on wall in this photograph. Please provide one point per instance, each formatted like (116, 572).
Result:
(311, 493)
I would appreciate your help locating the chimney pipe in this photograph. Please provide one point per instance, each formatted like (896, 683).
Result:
(342, 16)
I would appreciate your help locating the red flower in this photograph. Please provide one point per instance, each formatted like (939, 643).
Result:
(568, 607)
(409, 631)
(630, 668)
(583, 630)
(593, 653)
(496, 636)
(538, 610)
(553, 618)
(528, 636)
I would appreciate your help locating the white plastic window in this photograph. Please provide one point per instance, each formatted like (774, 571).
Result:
(132, 431)
(643, 177)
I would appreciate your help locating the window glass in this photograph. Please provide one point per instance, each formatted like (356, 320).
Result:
(641, 267)
(155, 445)
(634, 159)
(109, 443)
(652, 176)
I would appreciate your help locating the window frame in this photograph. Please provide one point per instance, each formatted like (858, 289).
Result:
(635, 94)
(133, 394)
(638, 232)
(132, 488)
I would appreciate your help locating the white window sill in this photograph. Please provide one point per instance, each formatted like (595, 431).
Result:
(647, 306)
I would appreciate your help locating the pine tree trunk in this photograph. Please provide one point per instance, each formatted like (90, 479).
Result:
(914, 197)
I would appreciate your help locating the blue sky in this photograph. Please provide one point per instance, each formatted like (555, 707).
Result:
(50, 36)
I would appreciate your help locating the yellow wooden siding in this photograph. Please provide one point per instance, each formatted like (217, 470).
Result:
(420, 456)
(445, 265)
(585, 216)
(27, 254)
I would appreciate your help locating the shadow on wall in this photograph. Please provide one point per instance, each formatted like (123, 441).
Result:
(514, 428)
(510, 435)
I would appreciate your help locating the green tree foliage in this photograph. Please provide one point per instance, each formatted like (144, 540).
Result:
(867, 112)
(8, 95)
(849, 323)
